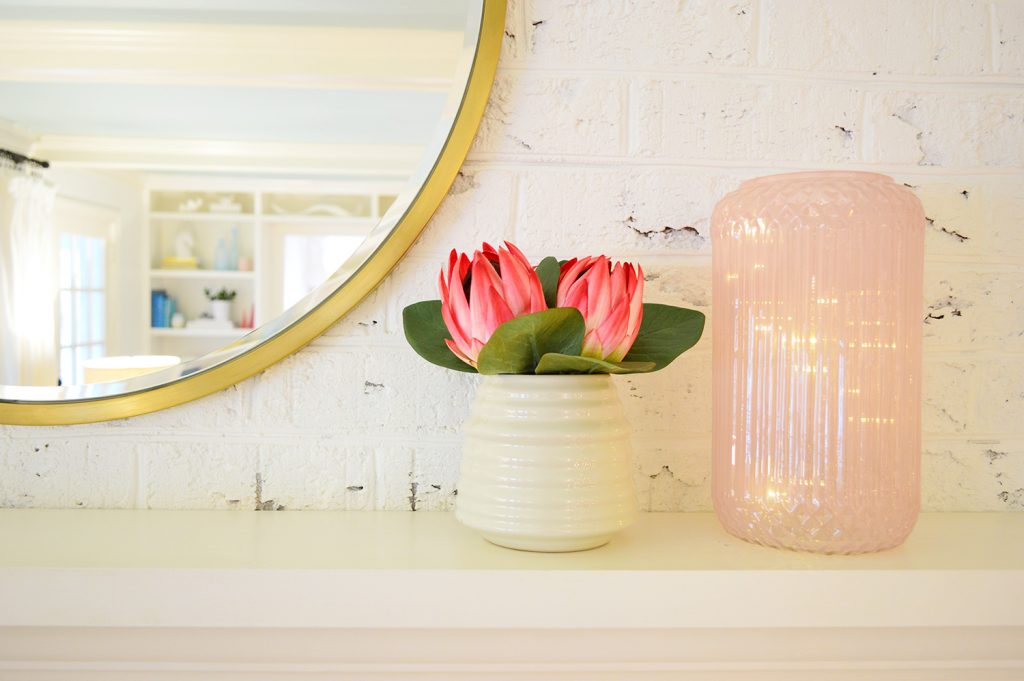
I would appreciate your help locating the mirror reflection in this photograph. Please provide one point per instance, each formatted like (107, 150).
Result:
(174, 175)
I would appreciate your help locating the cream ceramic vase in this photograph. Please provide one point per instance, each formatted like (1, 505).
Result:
(547, 463)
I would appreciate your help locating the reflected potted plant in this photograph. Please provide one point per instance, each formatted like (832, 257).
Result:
(547, 463)
(220, 303)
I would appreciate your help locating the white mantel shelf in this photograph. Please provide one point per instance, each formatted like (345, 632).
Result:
(123, 594)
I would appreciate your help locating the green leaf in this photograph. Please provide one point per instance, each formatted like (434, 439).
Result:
(548, 271)
(554, 363)
(665, 333)
(426, 332)
(517, 345)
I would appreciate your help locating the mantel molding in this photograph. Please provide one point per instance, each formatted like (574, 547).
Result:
(387, 595)
(881, 654)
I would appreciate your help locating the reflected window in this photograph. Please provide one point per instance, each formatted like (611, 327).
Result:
(83, 303)
(309, 259)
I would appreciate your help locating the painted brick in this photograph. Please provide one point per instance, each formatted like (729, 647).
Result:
(873, 37)
(957, 215)
(1005, 221)
(614, 128)
(53, 472)
(479, 207)
(217, 412)
(961, 36)
(973, 309)
(1009, 37)
(609, 34)
(673, 475)
(267, 397)
(979, 476)
(416, 279)
(435, 471)
(999, 392)
(360, 391)
(735, 119)
(511, 48)
(647, 211)
(946, 405)
(816, 123)
(531, 115)
(393, 490)
(697, 118)
(678, 282)
(333, 473)
(199, 474)
(367, 319)
(948, 129)
(674, 401)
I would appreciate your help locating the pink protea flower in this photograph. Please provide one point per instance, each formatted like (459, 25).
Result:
(479, 295)
(610, 297)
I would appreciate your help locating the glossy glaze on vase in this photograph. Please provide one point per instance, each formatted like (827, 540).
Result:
(817, 312)
(547, 463)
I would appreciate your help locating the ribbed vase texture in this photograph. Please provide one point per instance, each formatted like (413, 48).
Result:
(547, 463)
(816, 321)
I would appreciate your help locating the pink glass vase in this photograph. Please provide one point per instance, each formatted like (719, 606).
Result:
(816, 321)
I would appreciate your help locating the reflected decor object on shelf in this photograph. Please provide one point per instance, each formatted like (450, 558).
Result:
(547, 463)
(817, 308)
(220, 305)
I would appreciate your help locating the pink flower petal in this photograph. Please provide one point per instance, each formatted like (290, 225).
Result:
(488, 307)
(458, 353)
(599, 292)
(569, 276)
(516, 280)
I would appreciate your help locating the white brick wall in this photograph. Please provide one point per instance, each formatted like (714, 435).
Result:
(614, 127)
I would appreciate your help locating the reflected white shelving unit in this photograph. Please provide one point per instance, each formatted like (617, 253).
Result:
(263, 213)
(200, 274)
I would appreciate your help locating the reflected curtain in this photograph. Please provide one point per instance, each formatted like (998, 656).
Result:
(28, 278)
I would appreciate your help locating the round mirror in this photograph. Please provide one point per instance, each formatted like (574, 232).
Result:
(192, 190)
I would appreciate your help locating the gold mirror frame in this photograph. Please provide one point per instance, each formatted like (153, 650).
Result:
(333, 306)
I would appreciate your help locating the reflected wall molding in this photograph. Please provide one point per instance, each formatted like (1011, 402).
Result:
(295, 56)
(226, 156)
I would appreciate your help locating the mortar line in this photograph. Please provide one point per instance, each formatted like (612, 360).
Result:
(566, 161)
(141, 475)
(752, 74)
(993, 38)
(761, 34)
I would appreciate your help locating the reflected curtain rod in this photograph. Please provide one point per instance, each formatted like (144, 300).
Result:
(21, 158)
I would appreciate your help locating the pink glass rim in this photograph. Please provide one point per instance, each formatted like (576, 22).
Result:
(819, 175)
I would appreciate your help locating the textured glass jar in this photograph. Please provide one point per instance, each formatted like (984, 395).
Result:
(816, 321)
